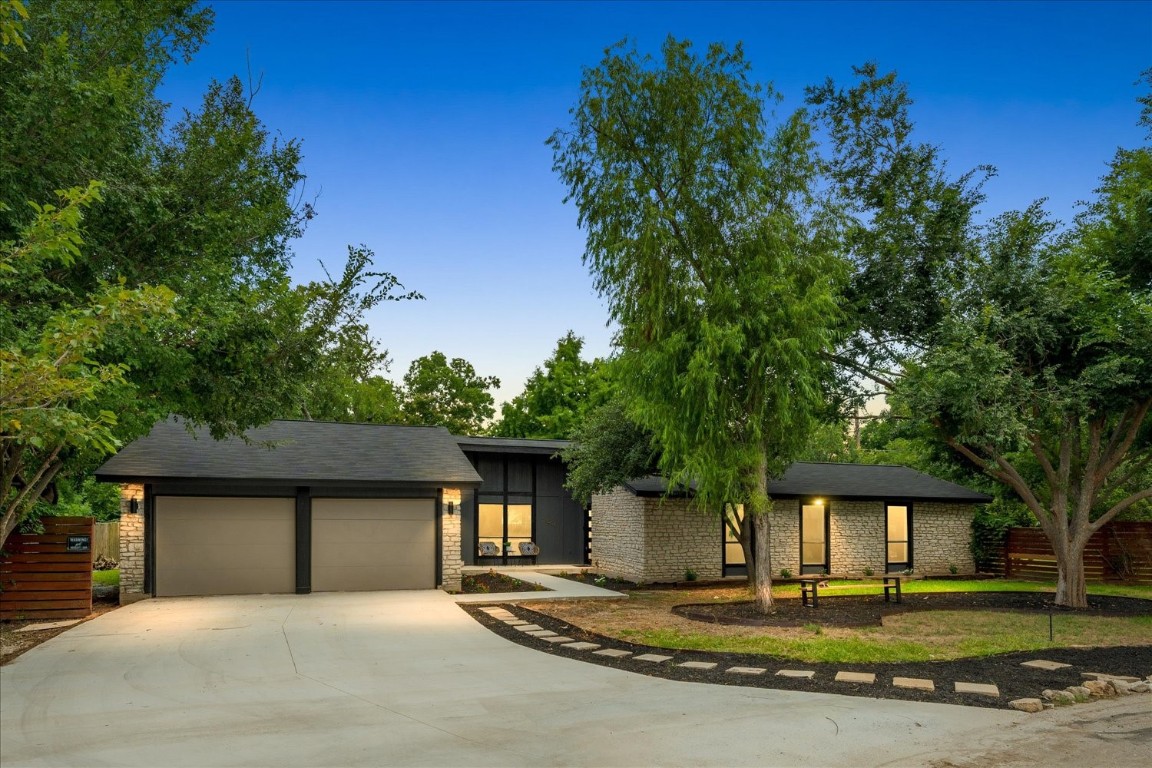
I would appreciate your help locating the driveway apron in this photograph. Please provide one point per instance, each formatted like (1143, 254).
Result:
(408, 678)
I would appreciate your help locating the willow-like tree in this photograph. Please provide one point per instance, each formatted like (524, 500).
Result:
(717, 260)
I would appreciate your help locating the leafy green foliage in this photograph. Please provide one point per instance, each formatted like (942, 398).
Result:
(608, 449)
(448, 393)
(716, 257)
(557, 396)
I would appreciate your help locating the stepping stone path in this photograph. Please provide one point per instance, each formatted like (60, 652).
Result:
(916, 683)
(984, 689)
(746, 670)
(1097, 684)
(856, 677)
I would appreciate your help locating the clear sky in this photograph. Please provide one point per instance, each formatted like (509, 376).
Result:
(423, 128)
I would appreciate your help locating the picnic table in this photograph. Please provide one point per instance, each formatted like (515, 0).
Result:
(810, 588)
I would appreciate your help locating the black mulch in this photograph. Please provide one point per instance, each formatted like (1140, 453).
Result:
(492, 582)
(1013, 680)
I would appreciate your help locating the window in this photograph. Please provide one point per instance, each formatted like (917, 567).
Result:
(505, 524)
(814, 537)
(899, 537)
(733, 553)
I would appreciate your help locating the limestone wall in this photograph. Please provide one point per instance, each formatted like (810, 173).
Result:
(941, 534)
(617, 534)
(785, 547)
(131, 544)
(451, 562)
(857, 536)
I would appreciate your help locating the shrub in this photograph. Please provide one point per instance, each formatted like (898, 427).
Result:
(785, 573)
(868, 571)
(952, 569)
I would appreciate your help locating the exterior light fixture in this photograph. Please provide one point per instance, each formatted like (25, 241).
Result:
(818, 502)
(451, 508)
(134, 506)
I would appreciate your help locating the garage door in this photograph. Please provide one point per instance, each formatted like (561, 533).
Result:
(368, 544)
(224, 545)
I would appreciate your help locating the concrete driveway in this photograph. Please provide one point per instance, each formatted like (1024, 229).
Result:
(407, 678)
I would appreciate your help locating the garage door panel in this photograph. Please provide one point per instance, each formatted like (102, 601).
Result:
(370, 544)
(224, 545)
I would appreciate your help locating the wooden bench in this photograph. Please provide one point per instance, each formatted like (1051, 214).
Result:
(810, 588)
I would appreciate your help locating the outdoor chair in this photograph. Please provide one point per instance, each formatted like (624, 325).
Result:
(529, 549)
(488, 549)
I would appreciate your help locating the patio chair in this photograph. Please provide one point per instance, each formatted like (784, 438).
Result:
(488, 549)
(529, 549)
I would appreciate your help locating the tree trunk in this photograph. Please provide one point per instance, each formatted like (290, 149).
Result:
(758, 507)
(1071, 590)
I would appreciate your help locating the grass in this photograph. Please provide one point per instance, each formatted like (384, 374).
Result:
(646, 618)
(106, 578)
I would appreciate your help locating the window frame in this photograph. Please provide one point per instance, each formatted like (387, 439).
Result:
(826, 566)
(909, 531)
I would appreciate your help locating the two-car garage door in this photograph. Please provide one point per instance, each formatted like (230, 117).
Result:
(236, 545)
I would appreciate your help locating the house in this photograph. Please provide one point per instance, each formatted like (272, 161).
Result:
(303, 506)
(826, 518)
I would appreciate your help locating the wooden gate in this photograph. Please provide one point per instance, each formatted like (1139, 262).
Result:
(48, 575)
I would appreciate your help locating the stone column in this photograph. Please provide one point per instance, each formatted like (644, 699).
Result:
(451, 564)
(131, 544)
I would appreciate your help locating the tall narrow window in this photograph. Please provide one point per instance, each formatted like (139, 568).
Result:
(733, 553)
(899, 524)
(814, 538)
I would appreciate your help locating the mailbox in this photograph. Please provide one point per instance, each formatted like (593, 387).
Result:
(80, 543)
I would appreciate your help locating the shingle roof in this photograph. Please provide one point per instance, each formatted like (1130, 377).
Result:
(854, 481)
(305, 451)
(512, 445)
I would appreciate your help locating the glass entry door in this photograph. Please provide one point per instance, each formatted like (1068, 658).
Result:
(814, 538)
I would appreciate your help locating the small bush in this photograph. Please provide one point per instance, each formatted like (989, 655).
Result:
(952, 569)
(868, 571)
(690, 575)
(785, 573)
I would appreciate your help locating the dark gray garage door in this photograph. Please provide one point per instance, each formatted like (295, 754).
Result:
(370, 544)
(224, 545)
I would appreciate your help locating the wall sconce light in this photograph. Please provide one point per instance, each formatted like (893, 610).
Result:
(134, 505)
(451, 508)
(818, 502)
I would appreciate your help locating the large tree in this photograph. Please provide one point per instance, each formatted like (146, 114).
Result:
(717, 260)
(556, 396)
(448, 393)
(1026, 349)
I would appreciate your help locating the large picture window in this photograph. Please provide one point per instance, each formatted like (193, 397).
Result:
(506, 525)
(899, 537)
(814, 537)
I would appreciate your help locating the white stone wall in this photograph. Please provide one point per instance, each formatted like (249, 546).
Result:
(645, 539)
(785, 546)
(131, 555)
(857, 536)
(451, 562)
(941, 536)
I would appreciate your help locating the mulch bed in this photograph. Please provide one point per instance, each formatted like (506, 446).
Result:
(1014, 681)
(869, 610)
(492, 583)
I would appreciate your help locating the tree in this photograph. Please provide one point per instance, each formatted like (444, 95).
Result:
(555, 397)
(448, 393)
(50, 385)
(718, 262)
(608, 449)
(1032, 353)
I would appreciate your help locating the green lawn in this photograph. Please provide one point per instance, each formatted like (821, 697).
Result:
(106, 578)
(872, 586)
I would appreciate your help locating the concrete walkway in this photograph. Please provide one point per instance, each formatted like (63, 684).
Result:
(408, 678)
(561, 589)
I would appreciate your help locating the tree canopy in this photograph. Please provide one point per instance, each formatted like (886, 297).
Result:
(448, 393)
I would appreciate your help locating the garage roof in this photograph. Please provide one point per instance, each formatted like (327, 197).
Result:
(298, 452)
(847, 481)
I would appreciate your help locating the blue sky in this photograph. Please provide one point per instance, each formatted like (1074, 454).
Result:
(423, 128)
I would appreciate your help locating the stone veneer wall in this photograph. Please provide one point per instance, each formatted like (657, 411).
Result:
(941, 537)
(857, 535)
(645, 539)
(451, 562)
(785, 547)
(131, 555)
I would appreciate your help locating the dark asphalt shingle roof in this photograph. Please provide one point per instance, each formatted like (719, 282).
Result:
(512, 445)
(857, 481)
(305, 451)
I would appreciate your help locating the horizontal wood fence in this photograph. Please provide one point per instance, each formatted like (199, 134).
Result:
(1118, 552)
(46, 575)
(106, 541)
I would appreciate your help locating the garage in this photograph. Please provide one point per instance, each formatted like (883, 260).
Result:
(218, 545)
(373, 544)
